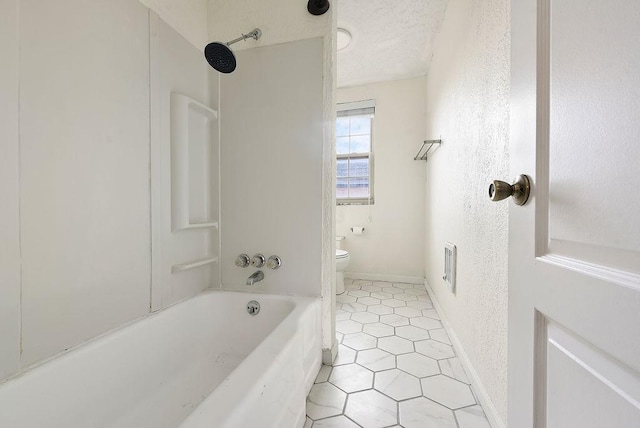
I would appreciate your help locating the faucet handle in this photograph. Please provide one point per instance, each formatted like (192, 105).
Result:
(258, 261)
(274, 262)
(242, 261)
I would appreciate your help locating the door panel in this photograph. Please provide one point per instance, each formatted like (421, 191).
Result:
(585, 387)
(574, 266)
(594, 96)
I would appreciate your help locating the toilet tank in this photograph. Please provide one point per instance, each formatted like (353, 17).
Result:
(339, 240)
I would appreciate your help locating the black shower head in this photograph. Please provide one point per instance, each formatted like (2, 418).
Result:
(220, 57)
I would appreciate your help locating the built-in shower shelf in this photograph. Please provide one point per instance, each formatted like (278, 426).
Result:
(426, 148)
(204, 225)
(193, 264)
(193, 163)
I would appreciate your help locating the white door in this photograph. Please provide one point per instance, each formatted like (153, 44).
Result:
(574, 266)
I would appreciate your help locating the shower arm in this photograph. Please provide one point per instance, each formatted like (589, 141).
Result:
(255, 34)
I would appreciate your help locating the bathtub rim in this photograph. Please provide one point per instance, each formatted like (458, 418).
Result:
(78, 347)
(283, 333)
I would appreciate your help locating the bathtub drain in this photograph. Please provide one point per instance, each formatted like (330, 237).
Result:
(253, 307)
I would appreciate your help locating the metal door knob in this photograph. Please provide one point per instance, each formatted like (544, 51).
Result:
(499, 190)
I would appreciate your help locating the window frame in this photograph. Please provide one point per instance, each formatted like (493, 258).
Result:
(368, 104)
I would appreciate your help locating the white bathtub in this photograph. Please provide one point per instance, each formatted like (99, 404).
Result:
(204, 362)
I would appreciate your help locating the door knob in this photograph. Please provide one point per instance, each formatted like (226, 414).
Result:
(499, 190)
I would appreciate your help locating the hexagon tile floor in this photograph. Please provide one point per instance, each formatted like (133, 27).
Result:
(395, 365)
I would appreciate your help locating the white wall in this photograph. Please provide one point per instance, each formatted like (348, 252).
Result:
(285, 21)
(179, 68)
(188, 17)
(9, 189)
(392, 243)
(271, 152)
(81, 162)
(84, 162)
(468, 105)
(281, 21)
(75, 232)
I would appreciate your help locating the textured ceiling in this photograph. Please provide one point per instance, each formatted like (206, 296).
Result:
(392, 39)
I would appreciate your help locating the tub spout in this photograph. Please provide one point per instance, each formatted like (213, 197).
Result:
(256, 277)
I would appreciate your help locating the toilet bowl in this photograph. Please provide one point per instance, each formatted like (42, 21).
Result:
(342, 261)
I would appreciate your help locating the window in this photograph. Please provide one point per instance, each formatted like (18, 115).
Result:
(354, 183)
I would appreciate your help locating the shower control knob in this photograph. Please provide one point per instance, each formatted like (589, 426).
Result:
(243, 261)
(258, 261)
(274, 262)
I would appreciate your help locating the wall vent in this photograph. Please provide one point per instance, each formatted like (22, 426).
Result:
(450, 266)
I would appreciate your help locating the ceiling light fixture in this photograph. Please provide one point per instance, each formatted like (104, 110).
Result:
(343, 39)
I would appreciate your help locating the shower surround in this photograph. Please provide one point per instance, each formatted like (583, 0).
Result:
(103, 241)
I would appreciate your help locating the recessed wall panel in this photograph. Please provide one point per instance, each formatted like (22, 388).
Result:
(200, 168)
(193, 142)
(585, 387)
(594, 132)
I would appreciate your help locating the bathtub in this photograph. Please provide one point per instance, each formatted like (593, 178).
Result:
(204, 362)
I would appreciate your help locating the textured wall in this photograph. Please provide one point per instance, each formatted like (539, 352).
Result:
(468, 106)
(187, 17)
(393, 241)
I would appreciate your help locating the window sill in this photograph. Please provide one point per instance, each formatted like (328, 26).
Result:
(355, 201)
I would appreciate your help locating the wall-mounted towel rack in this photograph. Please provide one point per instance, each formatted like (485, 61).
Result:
(426, 147)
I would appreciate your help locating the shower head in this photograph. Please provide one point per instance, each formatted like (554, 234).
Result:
(221, 57)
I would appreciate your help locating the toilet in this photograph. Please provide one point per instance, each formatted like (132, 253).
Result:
(342, 261)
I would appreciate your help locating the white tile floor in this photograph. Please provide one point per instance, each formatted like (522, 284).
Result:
(395, 366)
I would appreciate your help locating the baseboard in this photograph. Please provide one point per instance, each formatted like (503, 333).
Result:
(388, 278)
(489, 409)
